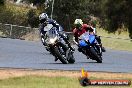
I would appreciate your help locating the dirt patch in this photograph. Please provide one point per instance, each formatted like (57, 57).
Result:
(32, 36)
(10, 73)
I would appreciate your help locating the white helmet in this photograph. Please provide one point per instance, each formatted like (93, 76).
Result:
(43, 16)
(78, 22)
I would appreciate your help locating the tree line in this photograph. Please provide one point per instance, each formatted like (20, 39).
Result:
(111, 14)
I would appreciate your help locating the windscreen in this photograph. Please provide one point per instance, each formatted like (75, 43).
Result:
(52, 33)
(85, 36)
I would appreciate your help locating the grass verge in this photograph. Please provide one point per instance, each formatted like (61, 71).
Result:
(46, 82)
(16, 78)
(117, 44)
(113, 43)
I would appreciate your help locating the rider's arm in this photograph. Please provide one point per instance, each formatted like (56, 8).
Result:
(54, 23)
(94, 30)
(40, 26)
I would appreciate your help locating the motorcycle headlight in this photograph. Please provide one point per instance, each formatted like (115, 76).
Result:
(53, 40)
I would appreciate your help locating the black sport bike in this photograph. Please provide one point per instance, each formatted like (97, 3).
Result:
(60, 49)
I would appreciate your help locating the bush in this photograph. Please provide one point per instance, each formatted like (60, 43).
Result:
(2, 2)
(33, 20)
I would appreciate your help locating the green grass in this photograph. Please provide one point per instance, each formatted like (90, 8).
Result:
(117, 44)
(39, 82)
(46, 82)
(123, 34)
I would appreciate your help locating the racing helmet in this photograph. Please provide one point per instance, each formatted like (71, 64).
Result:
(78, 23)
(43, 17)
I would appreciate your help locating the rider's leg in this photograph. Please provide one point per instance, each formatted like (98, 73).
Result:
(66, 39)
(43, 37)
(99, 41)
(80, 50)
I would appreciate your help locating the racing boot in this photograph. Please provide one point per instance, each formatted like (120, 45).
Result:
(88, 57)
(72, 48)
(102, 48)
(99, 42)
(56, 58)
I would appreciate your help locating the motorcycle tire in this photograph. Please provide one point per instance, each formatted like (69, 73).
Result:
(96, 56)
(72, 59)
(60, 57)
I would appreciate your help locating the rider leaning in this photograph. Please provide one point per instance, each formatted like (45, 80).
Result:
(79, 29)
(44, 20)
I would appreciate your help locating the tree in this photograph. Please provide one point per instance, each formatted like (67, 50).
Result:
(35, 1)
(118, 14)
(2, 2)
(33, 20)
(66, 11)
(112, 13)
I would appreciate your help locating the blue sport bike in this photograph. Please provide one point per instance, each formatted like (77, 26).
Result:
(88, 45)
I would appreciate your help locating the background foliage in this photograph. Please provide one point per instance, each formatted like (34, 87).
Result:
(112, 15)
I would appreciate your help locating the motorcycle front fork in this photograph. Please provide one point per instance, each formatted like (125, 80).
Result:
(98, 49)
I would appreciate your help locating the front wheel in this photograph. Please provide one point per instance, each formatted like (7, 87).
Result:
(95, 55)
(60, 57)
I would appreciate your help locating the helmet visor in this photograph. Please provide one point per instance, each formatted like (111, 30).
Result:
(77, 25)
(42, 20)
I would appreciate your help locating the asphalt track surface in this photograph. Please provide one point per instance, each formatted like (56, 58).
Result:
(16, 53)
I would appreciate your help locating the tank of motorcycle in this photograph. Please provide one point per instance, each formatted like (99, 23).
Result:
(48, 27)
(52, 36)
(86, 37)
(91, 39)
(82, 43)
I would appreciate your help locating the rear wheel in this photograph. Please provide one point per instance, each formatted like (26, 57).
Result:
(72, 59)
(95, 55)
